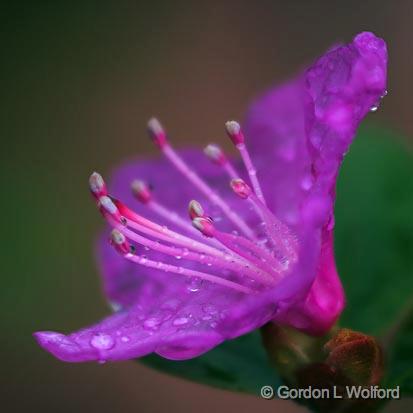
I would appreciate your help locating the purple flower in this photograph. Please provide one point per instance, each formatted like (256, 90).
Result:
(255, 252)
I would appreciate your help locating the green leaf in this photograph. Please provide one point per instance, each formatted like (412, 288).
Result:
(238, 365)
(374, 244)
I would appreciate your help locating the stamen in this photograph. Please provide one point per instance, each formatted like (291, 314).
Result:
(217, 156)
(141, 224)
(112, 209)
(240, 188)
(141, 191)
(143, 194)
(195, 209)
(106, 205)
(119, 241)
(237, 137)
(97, 185)
(249, 251)
(178, 270)
(204, 225)
(157, 133)
(181, 253)
(181, 165)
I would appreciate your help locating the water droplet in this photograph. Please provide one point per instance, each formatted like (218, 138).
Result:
(124, 339)
(178, 257)
(374, 108)
(194, 285)
(146, 248)
(151, 323)
(307, 182)
(102, 341)
(180, 321)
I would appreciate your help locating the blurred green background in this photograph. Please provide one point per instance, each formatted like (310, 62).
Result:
(79, 81)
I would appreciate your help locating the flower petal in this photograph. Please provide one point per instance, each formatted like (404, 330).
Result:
(300, 133)
(177, 323)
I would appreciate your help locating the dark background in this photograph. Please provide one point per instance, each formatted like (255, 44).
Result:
(79, 81)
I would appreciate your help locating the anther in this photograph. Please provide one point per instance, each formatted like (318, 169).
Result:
(234, 132)
(157, 132)
(204, 225)
(195, 210)
(97, 185)
(240, 188)
(141, 191)
(215, 154)
(107, 206)
(119, 242)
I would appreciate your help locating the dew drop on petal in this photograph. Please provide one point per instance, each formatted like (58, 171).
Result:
(194, 285)
(102, 341)
(307, 182)
(180, 321)
(151, 323)
(124, 339)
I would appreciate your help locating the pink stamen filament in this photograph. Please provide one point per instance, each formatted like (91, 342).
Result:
(180, 164)
(172, 217)
(228, 263)
(230, 170)
(177, 220)
(252, 172)
(146, 226)
(189, 273)
(250, 252)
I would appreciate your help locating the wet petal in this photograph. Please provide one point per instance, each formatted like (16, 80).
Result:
(299, 134)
